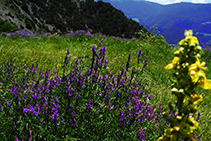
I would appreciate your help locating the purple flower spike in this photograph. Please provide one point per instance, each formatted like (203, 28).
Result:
(68, 52)
(199, 115)
(78, 96)
(100, 42)
(8, 103)
(141, 134)
(198, 138)
(146, 60)
(94, 48)
(57, 99)
(121, 116)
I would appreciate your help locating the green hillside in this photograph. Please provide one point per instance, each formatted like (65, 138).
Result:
(35, 69)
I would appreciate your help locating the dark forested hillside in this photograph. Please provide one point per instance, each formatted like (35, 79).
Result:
(68, 15)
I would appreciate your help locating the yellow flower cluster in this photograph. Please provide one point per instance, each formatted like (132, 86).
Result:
(58, 66)
(195, 70)
(180, 127)
(189, 74)
(189, 39)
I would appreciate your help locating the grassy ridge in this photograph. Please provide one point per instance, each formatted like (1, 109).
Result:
(49, 51)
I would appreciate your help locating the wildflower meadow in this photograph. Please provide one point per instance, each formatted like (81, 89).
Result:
(80, 86)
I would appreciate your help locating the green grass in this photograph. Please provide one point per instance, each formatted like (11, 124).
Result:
(48, 52)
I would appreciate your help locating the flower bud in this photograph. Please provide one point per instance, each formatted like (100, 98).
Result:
(192, 44)
(198, 48)
(194, 109)
(169, 131)
(181, 91)
(198, 55)
(186, 64)
(181, 50)
(176, 53)
(184, 99)
(176, 128)
(174, 90)
(179, 117)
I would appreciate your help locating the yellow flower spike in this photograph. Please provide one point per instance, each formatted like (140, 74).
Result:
(183, 125)
(195, 99)
(174, 63)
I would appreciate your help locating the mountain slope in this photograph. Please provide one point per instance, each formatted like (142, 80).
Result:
(179, 16)
(69, 15)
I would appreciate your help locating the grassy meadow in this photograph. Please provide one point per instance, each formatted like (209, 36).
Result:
(49, 52)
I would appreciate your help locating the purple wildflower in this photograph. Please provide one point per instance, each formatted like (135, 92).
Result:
(121, 116)
(141, 135)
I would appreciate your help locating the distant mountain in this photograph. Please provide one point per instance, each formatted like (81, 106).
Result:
(171, 19)
(67, 15)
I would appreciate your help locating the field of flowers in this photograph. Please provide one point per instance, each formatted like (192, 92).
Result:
(80, 86)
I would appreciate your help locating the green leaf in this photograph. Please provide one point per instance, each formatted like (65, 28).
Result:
(101, 116)
(173, 80)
